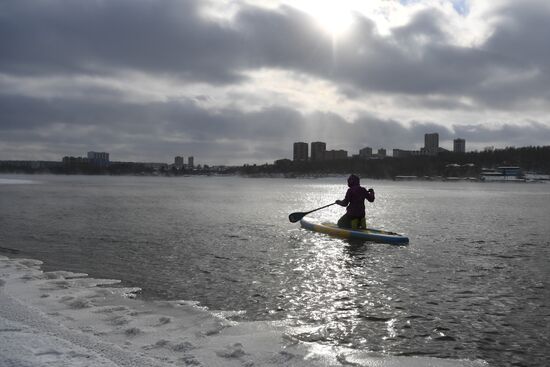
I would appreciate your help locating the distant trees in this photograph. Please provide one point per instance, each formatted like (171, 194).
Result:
(528, 158)
(446, 164)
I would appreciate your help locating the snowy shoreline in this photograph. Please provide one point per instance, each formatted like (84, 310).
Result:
(68, 319)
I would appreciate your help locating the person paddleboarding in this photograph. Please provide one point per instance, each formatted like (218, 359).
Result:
(355, 204)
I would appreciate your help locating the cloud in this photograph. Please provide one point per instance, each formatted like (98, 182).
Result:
(519, 43)
(169, 36)
(160, 130)
(148, 78)
(172, 37)
(529, 133)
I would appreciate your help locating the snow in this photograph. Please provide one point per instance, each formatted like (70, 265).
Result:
(14, 181)
(69, 319)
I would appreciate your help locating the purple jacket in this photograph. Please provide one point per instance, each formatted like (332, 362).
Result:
(355, 201)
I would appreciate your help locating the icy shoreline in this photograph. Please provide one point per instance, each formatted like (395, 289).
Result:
(68, 319)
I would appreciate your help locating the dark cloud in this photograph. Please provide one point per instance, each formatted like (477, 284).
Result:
(519, 43)
(418, 60)
(417, 63)
(171, 37)
(509, 70)
(521, 33)
(528, 133)
(160, 130)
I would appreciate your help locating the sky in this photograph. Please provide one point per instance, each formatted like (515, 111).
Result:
(238, 81)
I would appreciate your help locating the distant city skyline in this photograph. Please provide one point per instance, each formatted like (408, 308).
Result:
(319, 150)
(239, 81)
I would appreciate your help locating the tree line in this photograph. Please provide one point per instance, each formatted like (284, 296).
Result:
(445, 164)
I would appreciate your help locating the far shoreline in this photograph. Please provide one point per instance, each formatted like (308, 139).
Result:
(297, 176)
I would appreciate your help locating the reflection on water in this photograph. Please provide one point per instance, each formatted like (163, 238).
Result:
(339, 292)
(473, 283)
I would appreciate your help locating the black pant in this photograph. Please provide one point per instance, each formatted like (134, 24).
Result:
(345, 221)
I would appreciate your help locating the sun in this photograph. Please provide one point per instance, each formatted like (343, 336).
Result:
(334, 16)
(336, 20)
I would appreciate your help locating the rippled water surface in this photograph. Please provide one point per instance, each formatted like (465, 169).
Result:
(472, 283)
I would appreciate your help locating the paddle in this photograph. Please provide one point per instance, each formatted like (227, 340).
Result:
(294, 217)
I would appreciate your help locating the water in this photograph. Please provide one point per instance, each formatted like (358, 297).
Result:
(473, 283)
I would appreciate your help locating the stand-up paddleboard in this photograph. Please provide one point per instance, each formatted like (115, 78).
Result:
(369, 234)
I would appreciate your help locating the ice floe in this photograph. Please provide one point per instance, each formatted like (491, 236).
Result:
(69, 319)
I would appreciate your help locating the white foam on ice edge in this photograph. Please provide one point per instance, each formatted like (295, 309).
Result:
(64, 319)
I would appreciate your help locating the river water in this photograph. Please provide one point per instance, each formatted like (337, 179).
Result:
(473, 282)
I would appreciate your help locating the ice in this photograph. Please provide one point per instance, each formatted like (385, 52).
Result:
(15, 181)
(65, 319)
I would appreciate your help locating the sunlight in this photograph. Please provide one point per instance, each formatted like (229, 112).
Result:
(336, 17)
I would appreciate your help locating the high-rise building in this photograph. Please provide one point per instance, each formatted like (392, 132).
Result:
(190, 162)
(459, 146)
(178, 162)
(431, 143)
(300, 151)
(98, 158)
(318, 150)
(365, 152)
(381, 153)
(335, 154)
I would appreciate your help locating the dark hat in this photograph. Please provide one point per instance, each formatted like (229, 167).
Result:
(353, 181)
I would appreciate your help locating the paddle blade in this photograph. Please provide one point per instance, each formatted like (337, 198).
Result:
(294, 217)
